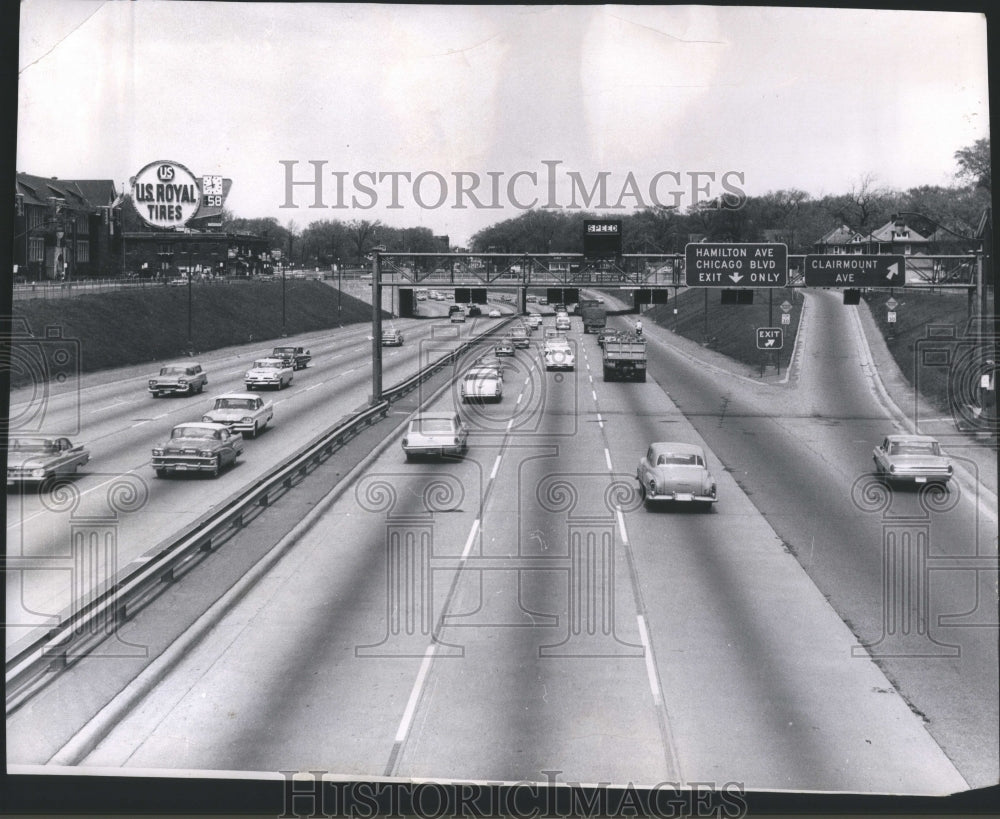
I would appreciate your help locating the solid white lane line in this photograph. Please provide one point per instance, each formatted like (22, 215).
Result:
(496, 467)
(418, 685)
(594, 393)
(607, 460)
(314, 386)
(621, 525)
(519, 397)
(647, 654)
(471, 539)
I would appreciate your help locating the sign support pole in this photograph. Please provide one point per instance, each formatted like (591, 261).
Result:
(376, 330)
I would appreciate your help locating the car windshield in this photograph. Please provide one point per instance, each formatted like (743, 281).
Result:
(678, 460)
(267, 364)
(32, 445)
(284, 351)
(432, 426)
(194, 432)
(236, 403)
(478, 375)
(173, 371)
(914, 448)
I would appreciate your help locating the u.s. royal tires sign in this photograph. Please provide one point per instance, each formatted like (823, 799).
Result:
(166, 194)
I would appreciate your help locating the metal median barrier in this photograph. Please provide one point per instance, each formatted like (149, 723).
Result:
(143, 577)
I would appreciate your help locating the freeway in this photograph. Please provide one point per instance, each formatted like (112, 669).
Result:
(119, 422)
(518, 611)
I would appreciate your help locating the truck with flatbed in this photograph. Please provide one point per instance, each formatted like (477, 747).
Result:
(625, 358)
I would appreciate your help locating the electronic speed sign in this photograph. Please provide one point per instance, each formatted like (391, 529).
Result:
(602, 238)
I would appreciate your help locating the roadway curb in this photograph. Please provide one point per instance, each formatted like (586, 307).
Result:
(101, 724)
(969, 482)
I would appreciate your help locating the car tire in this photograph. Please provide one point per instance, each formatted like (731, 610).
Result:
(216, 466)
(160, 473)
(254, 431)
(409, 456)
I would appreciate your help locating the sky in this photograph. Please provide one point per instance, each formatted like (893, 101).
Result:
(454, 118)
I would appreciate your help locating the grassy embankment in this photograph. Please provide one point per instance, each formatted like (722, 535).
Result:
(731, 329)
(132, 327)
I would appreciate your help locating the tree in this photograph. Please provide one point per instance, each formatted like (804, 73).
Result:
(974, 164)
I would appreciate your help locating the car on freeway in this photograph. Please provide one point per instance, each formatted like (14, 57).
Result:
(186, 378)
(494, 313)
(391, 337)
(456, 313)
(177, 282)
(475, 310)
(558, 355)
(492, 361)
(436, 433)
(534, 320)
(912, 458)
(242, 412)
(519, 338)
(269, 372)
(504, 347)
(297, 357)
(552, 332)
(530, 298)
(197, 447)
(481, 384)
(38, 459)
(543, 300)
(673, 471)
(562, 321)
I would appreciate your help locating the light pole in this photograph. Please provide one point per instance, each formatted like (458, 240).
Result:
(283, 333)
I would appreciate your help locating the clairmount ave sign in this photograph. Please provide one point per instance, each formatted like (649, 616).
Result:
(738, 264)
(855, 270)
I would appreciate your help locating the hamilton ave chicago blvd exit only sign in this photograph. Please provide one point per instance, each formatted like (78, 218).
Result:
(752, 264)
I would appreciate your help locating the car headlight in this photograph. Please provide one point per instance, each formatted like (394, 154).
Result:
(152, 383)
(205, 453)
(37, 473)
(182, 381)
(207, 419)
(157, 451)
(247, 419)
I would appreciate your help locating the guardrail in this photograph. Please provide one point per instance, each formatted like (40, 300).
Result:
(92, 621)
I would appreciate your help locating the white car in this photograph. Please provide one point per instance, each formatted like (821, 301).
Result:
(562, 321)
(494, 313)
(482, 383)
(673, 471)
(912, 458)
(558, 355)
(269, 372)
(36, 459)
(436, 433)
(241, 412)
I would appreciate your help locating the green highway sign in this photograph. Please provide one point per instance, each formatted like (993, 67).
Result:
(737, 264)
(855, 270)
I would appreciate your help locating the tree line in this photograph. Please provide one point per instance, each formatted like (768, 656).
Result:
(789, 216)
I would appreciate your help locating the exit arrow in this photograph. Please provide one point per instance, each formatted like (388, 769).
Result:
(735, 277)
(769, 342)
(893, 270)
